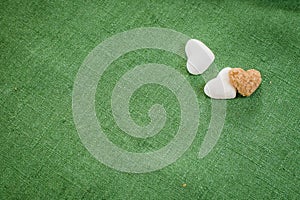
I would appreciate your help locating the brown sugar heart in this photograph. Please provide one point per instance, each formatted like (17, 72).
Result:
(246, 82)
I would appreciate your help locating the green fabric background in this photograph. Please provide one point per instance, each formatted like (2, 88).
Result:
(43, 44)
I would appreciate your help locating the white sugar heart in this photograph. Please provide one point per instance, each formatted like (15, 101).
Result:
(199, 56)
(220, 87)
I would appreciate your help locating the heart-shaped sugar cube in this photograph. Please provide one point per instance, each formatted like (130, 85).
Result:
(246, 82)
(220, 87)
(199, 56)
